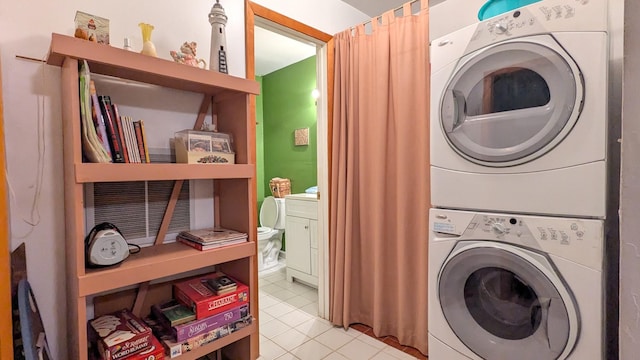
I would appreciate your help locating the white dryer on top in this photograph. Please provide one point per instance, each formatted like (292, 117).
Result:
(519, 112)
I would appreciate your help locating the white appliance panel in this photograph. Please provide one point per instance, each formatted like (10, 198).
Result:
(578, 263)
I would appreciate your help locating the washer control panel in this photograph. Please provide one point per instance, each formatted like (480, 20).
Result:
(506, 227)
(580, 240)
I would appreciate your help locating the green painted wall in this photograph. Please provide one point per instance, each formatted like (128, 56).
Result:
(284, 105)
(287, 106)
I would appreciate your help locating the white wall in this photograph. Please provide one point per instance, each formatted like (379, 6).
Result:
(33, 117)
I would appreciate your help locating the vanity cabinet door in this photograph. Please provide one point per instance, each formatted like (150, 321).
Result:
(298, 244)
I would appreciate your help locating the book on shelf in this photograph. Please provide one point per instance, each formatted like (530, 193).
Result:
(172, 313)
(125, 138)
(137, 128)
(112, 129)
(123, 141)
(212, 235)
(144, 141)
(132, 142)
(204, 301)
(98, 119)
(203, 247)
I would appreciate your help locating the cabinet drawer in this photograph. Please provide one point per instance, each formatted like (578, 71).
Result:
(302, 208)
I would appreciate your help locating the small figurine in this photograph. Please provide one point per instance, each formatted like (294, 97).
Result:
(187, 55)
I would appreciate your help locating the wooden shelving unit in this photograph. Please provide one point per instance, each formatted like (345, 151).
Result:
(234, 200)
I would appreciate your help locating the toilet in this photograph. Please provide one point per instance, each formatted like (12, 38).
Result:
(270, 232)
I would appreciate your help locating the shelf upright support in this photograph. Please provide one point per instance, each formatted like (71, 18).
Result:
(74, 213)
(171, 206)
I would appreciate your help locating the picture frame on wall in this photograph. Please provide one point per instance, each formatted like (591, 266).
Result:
(301, 137)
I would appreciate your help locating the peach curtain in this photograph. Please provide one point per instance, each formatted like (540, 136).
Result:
(380, 178)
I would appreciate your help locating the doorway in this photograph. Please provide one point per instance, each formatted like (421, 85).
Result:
(260, 17)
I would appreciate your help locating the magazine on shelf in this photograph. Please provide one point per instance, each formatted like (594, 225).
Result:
(210, 246)
(91, 146)
(211, 235)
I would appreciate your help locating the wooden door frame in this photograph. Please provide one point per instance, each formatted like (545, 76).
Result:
(253, 10)
(6, 332)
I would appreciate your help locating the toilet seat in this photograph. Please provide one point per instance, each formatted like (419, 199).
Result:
(269, 212)
(265, 233)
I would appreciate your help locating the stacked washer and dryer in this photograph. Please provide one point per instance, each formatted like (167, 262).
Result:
(518, 185)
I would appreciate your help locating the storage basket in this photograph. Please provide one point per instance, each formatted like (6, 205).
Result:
(280, 187)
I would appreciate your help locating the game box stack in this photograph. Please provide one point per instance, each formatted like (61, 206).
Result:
(211, 294)
(206, 308)
(123, 336)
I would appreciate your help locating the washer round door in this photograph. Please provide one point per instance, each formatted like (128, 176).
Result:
(506, 302)
(512, 102)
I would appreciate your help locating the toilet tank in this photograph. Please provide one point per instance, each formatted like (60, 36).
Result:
(281, 214)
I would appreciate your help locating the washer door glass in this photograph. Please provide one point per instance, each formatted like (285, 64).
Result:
(502, 306)
(510, 103)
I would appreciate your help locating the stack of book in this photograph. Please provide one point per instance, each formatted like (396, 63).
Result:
(205, 309)
(207, 239)
(106, 135)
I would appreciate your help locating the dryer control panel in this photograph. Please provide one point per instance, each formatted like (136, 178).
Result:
(541, 17)
(578, 240)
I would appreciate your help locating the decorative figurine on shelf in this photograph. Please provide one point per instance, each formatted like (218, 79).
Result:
(147, 46)
(218, 57)
(187, 55)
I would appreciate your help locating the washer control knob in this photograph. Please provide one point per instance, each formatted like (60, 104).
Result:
(498, 228)
(501, 28)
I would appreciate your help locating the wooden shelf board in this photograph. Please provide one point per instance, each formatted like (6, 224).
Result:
(92, 172)
(156, 262)
(112, 61)
(220, 343)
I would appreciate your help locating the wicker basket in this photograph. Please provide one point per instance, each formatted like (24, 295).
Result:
(280, 187)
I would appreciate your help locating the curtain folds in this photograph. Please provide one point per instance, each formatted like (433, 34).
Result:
(380, 178)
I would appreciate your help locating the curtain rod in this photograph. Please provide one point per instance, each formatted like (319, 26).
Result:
(394, 10)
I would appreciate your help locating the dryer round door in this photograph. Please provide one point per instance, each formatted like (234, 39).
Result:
(511, 102)
(506, 302)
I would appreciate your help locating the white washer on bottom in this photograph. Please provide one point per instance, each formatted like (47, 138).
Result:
(514, 287)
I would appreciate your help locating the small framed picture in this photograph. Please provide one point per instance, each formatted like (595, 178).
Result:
(301, 137)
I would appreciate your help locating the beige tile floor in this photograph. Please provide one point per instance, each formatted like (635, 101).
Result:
(290, 328)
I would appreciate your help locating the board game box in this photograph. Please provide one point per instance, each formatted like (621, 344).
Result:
(203, 300)
(198, 327)
(154, 352)
(119, 334)
(176, 348)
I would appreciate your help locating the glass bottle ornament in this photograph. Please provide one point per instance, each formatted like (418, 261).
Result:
(147, 46)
